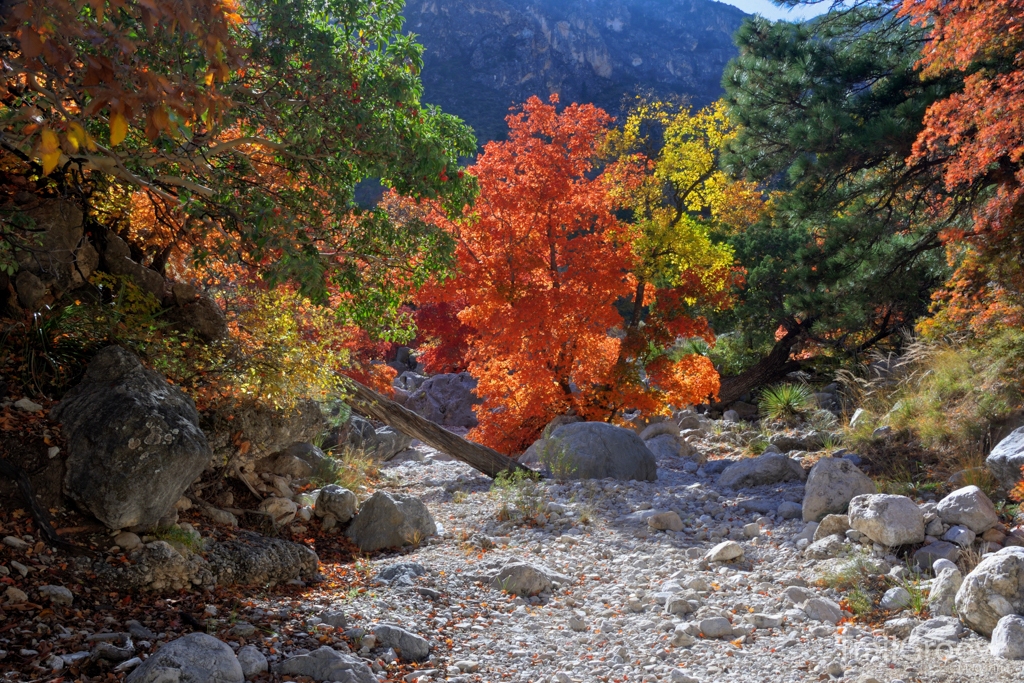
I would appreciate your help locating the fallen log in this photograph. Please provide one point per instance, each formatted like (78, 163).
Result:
(378, 407)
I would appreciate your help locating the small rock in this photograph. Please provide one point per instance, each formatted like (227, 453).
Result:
(790, 510)
(28, 405)
(127, 541)
(715, 627)
(525, 579)
(197, 658)
(335, 618)
(665, 521)
(831, 525)
(15, 542)
(336, 501)
(409, 646)
(970, 507)
(242, 629)
(252, 661)
(1008, 638)
(901, 627)
(15, 596)
(58, 595)
(281, 510)
(327, 664)
(926, 556)
(752, 530)
(886, 519)
(760, 620)
(941, 564)
(937, 632)
(725, 551)
(679, 676)
(942, 596)
(824, 610)
(895, 598)
(960, 535)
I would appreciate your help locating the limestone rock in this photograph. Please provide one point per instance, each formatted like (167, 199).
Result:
(969, 507)
(337, 501)
(391, 521)
(595, 450)
(409, 646)
(992, 590)
(768, 468)
(1008, 638)
(831, 485)
(886, 519)
(527, 579)
(448, 400)
(252, 661)
(1006, 459)
(665, 521)
(832, 525)
(725, 551)
(134, 441)
(942, 596)
(937, 632)
(327, 664)
(195, 658)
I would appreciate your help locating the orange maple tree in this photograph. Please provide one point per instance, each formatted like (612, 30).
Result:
(542, 262)
(976, 136)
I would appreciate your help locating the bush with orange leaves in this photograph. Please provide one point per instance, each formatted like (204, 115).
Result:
(542, 262)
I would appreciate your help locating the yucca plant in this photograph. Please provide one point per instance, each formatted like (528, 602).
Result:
(786, 401)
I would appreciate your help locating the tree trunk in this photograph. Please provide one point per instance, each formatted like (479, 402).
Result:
(771, 368)
(487, 460)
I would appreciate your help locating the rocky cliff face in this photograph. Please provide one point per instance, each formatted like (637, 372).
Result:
(483, 56)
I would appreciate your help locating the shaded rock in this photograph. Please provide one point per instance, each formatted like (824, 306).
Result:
(1006, 459)
(994, 589)
(253, 560)
(409, 646)
(527, 579)
(299, 461)
(595, 450)
(281, 510)
(669, 446)
(391, 521)
(886, 519)
(202, 316)
(665, 521)
(725, 551)
(401, 574)
(252, 661)
(58, 595)
(195, 658)
(824, 548)
(969, 507)
(134, 441)
(768, 468)
(327, 664)
(266, 430)
(831, 485)
(790, 510)
(832, 525)
(937, 632)
(942, 596)
(926, 555)
(823, 609)
(960, 535)
(337, 501)
(1008, 638)
(447, 400)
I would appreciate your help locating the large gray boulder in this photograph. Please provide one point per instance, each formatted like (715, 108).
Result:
(447, 400)
(391, 520)
(327, 664)
(768, 468)
(994, 589)
(134, 442)
(886, 519)
(969, 507)
(595, 450)
(195, 658)
(831, 485)
(1007, 458)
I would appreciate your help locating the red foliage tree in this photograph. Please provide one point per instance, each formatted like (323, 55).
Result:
(976, 135)
(541, 264)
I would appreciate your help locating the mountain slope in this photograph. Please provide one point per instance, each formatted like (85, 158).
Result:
(483, 56)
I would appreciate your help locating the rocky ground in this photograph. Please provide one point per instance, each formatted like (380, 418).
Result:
(678, 579)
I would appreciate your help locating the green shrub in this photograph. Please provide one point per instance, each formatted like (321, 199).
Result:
(519, 496)
(786, 401)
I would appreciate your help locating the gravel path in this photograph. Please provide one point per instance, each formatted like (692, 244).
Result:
(609, 621)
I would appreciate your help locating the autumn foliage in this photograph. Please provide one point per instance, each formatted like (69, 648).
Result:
(542, 262)
(976, 136)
